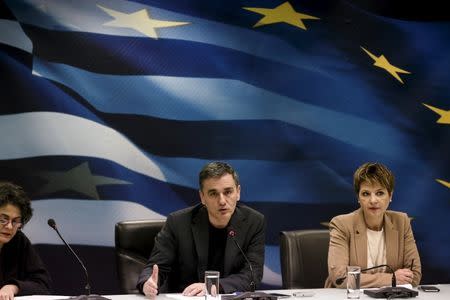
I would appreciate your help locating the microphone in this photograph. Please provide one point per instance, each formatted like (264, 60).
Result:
(394, 279)
(89, 296)
(232, 234)
(340, 280)
(390, 292)
(387, 292)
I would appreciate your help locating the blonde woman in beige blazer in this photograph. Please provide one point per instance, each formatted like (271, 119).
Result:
(373, 235)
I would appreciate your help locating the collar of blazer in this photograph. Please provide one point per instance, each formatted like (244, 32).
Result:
(360, 233)
(200, 233)
(360, 223)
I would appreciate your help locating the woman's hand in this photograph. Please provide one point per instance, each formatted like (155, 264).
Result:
(404, 276)
(8, 291)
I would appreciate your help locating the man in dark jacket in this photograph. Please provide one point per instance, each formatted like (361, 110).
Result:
(198, 238)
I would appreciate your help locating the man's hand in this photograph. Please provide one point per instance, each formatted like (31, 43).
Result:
(8, 291)
(404, 276)
(151, 285)
(195, 289)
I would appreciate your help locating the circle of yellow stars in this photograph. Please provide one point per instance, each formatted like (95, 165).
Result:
(141, 21)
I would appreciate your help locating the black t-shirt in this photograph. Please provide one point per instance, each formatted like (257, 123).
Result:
(216, 249)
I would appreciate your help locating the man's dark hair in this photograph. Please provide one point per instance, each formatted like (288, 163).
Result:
(216, 169)
(15, 195)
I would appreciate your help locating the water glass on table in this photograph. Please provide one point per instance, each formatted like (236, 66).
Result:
(353, 282)
(212, 285)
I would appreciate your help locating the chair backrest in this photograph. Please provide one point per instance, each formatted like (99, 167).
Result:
(304, 258)
(134, 241)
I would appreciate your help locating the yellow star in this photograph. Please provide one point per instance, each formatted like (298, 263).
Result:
(139, 21)
(282, 13)
(383, 63)
(445, 115)
(445, 183)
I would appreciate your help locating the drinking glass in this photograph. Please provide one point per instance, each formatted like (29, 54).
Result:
(353, 282)
(212, 285)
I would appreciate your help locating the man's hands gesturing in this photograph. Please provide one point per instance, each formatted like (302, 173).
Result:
(151, 285)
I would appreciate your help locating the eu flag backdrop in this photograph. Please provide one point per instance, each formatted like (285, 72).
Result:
(110, 108)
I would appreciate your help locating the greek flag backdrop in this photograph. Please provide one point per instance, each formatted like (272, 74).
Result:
(109, 109)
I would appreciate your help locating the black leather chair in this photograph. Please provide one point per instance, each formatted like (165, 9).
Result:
(134, 241)
(304, 258)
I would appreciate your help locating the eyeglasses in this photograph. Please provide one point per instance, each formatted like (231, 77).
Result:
(16, 223)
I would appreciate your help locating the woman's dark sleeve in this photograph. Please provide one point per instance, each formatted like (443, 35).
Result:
(30, 274)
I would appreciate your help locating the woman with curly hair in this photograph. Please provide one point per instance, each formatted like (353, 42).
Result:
(21, 269)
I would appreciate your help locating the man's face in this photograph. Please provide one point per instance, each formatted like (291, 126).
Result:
(220, 196)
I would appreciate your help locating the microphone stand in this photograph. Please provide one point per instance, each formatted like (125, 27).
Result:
(394, 279)
(387, 292)
(232, 234)
(390, 292)
(252, 294)
(87, 287)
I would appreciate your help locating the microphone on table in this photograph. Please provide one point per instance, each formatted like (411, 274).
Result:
(387, 292)
(232, 234)
(89, 296)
